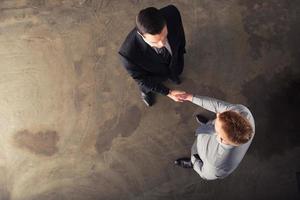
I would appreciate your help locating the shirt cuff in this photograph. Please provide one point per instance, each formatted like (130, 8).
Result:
(193, 97)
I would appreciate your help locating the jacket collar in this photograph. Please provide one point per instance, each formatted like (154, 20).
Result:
(147, 50)
(226, 146)
(141, 41)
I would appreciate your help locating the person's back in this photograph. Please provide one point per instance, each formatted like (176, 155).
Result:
(222, 143)
(222, 159)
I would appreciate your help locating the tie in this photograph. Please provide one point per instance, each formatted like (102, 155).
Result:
(164, 53)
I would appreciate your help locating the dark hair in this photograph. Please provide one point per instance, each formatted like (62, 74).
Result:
(150, 20)
(237, 128)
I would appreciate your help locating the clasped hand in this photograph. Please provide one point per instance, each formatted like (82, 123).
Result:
(180, 96)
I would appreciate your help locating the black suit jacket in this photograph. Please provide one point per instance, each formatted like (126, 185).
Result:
(142, 62)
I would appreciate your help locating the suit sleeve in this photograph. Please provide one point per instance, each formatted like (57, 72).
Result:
(176, 21)
(175, 28)
(181, 33)
(141, 77)
(212, 104)
(204, 170)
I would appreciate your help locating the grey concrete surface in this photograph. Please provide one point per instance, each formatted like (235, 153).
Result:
(72, 125)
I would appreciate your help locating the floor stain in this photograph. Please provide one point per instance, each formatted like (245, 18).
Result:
(77, 67)
(128, 121)
(105, 136)
(41, 143)
(124, 126)
(79, 95)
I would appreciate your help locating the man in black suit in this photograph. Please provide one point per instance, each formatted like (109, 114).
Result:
(154, 51)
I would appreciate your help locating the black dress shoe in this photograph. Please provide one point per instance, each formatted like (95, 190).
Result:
(201, 119)
(184, 162)
(148, 98)
(175, 80)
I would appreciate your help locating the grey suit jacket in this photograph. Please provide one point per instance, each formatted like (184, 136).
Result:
(218, 160)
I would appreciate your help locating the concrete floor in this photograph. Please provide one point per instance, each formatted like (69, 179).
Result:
(72, 125)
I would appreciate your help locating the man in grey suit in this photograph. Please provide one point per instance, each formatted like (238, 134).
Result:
(221, 143)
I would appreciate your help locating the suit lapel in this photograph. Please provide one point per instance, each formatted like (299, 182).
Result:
(149, 55)
(148, 51)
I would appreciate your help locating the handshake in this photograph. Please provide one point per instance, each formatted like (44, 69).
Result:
(180, 96)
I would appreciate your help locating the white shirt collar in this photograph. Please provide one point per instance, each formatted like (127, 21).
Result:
(167, 45)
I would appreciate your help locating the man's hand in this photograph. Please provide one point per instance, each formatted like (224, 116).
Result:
(173, 94)
(184, 97)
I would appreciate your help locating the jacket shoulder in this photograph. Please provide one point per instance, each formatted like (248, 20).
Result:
(130, 44)
(171, 11)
